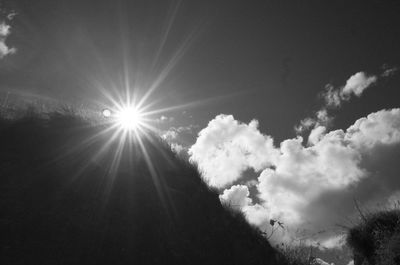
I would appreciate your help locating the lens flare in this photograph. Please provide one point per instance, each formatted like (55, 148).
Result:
(129, 118)
(106, 113)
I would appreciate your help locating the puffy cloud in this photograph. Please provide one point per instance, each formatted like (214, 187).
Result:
(356, 84)
(226, 148)
(316, 134)
(169, 135)
(177, 148)
(321, 118)
(303, 174)
(305, 180)
(238, 198)
(382, 127)
(307, 187)
(4, 32)
(305, 124)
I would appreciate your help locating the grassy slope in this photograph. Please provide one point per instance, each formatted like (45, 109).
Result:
(62, 204)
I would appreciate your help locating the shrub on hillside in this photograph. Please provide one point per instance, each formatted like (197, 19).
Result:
(376, 240)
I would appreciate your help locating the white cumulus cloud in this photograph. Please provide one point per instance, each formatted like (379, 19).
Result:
(303, 174)
(227, 147)
(237, 197)
(382, 127)
(304, 185)
(4, 32)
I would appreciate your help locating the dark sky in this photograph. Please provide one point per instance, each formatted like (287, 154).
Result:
(263, 59)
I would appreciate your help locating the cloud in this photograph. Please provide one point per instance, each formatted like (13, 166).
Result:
(334, 97)
(305, 124)
(176, 137)
(169, 135)
(306, 179)
(304, 174)
(322, 118)
(316, 134)
(237, 197)
(356, 84)
(308, 187)
(389, 71)
(226, 148)
(379, 128)
(177, 148)
(5, 30)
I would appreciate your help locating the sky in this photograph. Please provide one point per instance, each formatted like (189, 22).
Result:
(289, 108)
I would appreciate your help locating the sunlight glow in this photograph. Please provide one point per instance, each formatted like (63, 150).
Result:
(129, 118)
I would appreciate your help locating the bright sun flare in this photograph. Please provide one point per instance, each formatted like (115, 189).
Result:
(129, 118)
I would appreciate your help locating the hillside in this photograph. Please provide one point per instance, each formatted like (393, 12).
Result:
(64, 199)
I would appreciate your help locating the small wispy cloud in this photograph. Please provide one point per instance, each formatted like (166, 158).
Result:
(320, 118)
(175, 137)
(333, 97)
(389, 71)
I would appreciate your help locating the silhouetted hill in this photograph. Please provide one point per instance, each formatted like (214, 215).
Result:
(64, 199)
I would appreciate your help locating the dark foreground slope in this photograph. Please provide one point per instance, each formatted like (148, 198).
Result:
(376, 240)
(63, 200)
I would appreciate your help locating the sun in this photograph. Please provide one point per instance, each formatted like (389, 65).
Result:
(125, 117)
(129, 118)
